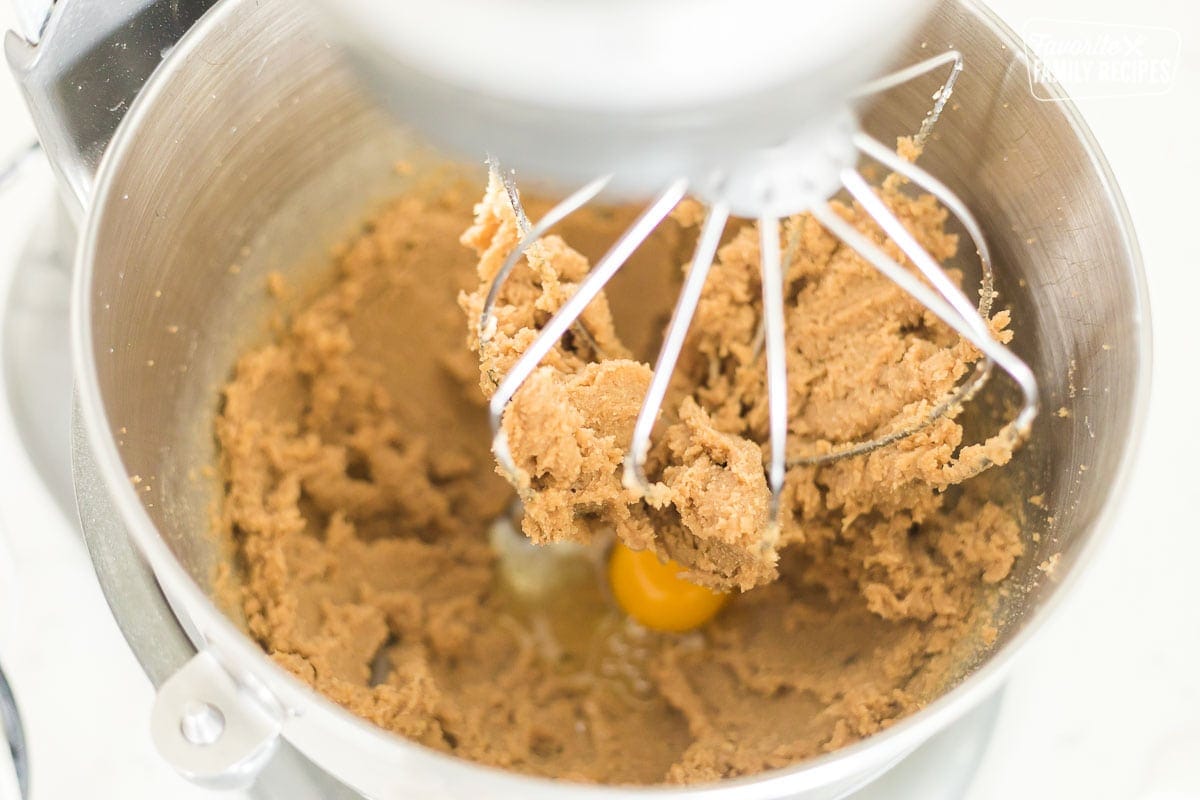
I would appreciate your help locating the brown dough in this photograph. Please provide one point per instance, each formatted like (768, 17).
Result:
(360, 489)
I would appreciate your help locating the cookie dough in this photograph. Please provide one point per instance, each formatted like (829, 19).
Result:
(360, 495)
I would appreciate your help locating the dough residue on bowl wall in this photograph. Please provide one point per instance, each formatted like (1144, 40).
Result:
(360, 490)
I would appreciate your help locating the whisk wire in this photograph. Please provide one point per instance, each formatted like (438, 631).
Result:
(554, 216)
(912, 285)
(883, 216)
(921, 177)
(588, 289)
(664, 366)
(906, 74)
(776, 358)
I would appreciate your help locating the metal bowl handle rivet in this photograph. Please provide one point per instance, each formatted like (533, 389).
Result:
(202, 723)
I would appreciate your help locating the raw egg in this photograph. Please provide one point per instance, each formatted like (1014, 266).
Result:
(655, 593)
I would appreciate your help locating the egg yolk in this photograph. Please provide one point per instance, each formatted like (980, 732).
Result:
(656, 595)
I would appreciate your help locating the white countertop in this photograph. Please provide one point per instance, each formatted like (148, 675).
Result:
(1104, 703)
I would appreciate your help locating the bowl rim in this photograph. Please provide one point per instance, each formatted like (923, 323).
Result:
(211, 629)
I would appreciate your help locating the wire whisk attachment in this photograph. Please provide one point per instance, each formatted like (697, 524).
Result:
(800, 176)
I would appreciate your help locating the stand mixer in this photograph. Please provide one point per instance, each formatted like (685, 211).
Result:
(253, 123)
(749, 106)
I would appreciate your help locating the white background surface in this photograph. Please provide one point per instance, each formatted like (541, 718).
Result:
(1105, 703)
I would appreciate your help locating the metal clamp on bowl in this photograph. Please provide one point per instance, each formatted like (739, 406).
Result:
(208, 730)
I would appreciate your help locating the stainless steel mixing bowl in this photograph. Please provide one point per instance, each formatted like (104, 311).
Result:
(252, 145)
